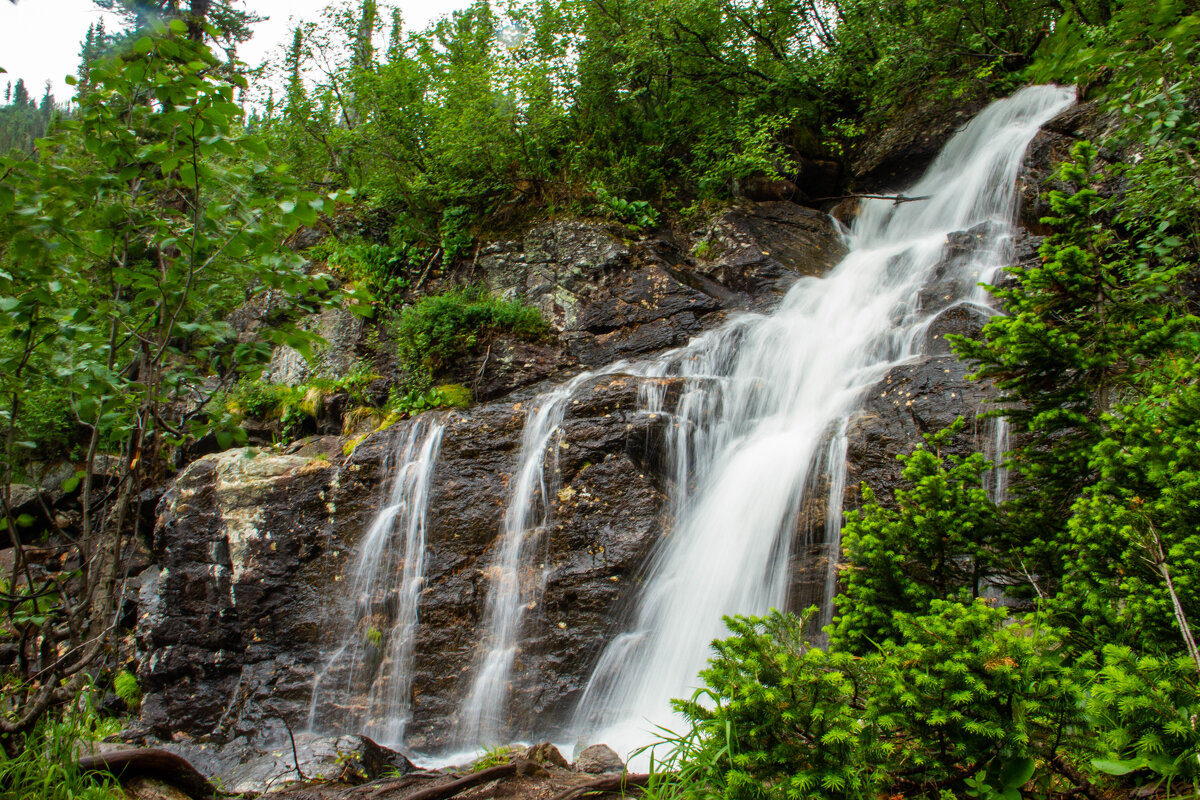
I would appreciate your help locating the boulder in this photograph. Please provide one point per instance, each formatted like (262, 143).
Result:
(336, 356)
(545, 753)
(598, 759)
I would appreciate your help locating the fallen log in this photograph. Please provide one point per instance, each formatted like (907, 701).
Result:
(446, 790)
(143, 762)
(608, 783)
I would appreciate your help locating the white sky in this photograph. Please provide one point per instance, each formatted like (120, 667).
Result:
(40, 39)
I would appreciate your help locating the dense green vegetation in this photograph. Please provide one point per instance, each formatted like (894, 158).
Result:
(589, 106)
(132, 227)
(125, 239)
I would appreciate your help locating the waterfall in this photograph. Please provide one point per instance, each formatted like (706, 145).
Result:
(375, 658)
(765, 410)
(759, 432)
(514, 581)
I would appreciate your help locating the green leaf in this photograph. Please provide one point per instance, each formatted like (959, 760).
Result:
(1016, 773)
(177, 26)
(143, 46)
(1118, 767)
(72, 483)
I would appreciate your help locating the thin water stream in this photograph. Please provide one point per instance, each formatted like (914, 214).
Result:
(375, 658)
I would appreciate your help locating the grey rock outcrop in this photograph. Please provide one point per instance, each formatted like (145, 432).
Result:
(598, 759)
(247, 545)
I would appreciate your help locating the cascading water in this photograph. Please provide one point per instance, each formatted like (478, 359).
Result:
(376, 655)
(514, 581)
(767, 402)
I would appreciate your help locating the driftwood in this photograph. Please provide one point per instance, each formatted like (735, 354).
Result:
(452, 788)
(896, 199)
(608, 783)
(142, 762)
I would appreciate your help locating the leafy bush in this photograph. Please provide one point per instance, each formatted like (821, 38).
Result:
(383, 269)
(637, 214)
(1145, 712)
(439, 329)
(965, 696)
(786, 719)
(934, 544)
(752, 148)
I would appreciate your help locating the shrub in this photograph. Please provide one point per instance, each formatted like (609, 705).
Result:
(1145, 710)
(382, 269)
(966, 697)
(787, 719)
(637, 214)
(933, 544)
(439, 329)
(292, 405)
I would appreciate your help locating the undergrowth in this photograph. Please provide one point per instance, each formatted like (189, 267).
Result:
(42, 764)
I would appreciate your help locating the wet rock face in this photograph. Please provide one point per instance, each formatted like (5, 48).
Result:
(897, 156)
(761, 249)
(609, 298)
(253, 548)
(1051, 146)
(912, 400)
(230, 621)
(606, 502)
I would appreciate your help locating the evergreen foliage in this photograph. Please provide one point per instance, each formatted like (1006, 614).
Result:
(938, 542)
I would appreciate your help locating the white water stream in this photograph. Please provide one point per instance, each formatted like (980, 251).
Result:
(375, 658)
(514, 582)
(768, 402)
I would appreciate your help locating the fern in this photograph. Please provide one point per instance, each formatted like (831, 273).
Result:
(125, 685)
